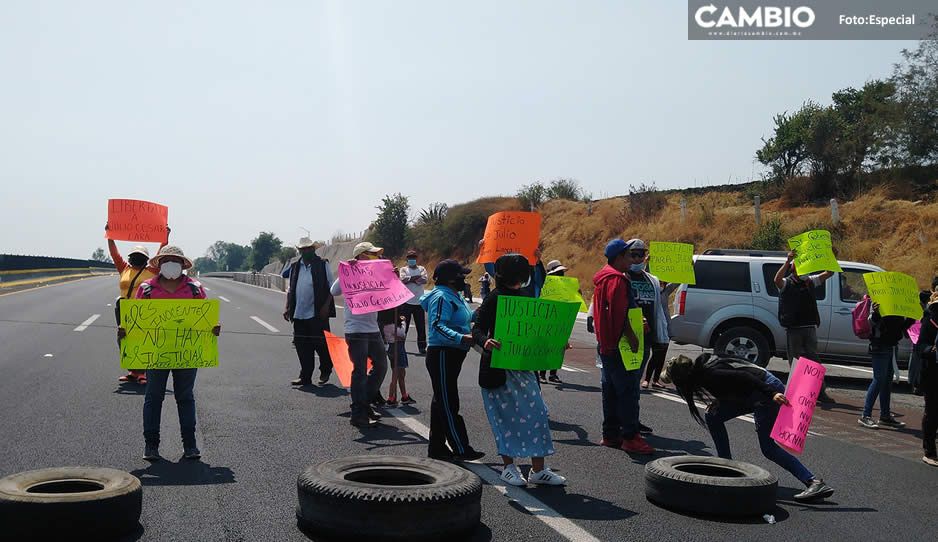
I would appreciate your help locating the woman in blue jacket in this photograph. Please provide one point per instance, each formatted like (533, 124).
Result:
(448, 343)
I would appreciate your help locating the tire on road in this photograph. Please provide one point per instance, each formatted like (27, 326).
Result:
(388, 498)
(710, 486)
(745, 343)
(69, 503)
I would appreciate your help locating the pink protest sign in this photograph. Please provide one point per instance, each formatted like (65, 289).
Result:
(914, 331)
(371, 286)
(793, 421)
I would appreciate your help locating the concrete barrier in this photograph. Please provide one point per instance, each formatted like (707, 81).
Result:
(27, 277)
(264, 280)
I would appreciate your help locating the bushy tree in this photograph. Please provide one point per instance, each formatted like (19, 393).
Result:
(568, 189)
(264, 247)
(390, 229)
(531, 196)
(100, 256)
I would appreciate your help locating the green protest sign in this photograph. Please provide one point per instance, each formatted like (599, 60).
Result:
(566, 289)
(814, 252)
(672, 262)
(169, 333)
(533, 333)
(633, 360)
(896, 293)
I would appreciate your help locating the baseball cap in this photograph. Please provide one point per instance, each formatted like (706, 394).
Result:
(364, 247)
(448, 270)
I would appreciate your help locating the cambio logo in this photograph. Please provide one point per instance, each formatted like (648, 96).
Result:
(760, 17)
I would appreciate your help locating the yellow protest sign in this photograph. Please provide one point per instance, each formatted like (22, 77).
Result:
(566, 289)
(896, 293)
(169, 333)
(814, 252)
(672, 262)
(633, 360)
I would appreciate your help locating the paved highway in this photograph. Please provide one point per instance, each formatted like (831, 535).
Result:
(62, 405)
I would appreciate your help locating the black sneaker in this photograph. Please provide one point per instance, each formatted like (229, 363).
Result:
(644, 429)
(817, 491)
(191, 452)
(469, 455)
(391, 402)
(408, 400)
(152, 452)
(555, 379)
(868, 422)
(378, 401)
(323, 380)
(445, 455)
(823, 397)
(363, 422)
(890, 421)
(373, 415)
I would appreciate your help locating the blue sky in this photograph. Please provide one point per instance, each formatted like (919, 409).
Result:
(251, 116)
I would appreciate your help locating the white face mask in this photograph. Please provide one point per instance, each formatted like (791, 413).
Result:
(171, 270)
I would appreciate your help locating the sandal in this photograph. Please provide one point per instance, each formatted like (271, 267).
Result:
(142, 381)
(644, 384)
(658, 386)
(129, 377)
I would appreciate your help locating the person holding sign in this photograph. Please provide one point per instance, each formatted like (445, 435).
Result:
(798, 313)
(886, 332)
(512, 399)
(732, 388)
(613, 297)
(554, 269)
(364, 341)
(171, 283)
(928, 383)
(132, 273)
(450, 319)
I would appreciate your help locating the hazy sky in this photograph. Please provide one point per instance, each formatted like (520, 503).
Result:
(251, 116)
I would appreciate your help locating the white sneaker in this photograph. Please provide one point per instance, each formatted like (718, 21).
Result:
(511, 475)
(547, 477)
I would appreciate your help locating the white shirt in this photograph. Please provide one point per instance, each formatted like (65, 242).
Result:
(415, 288)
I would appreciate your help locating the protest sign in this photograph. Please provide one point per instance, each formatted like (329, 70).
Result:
(633, 360)
(915, 331)
(511, 232)
(341, 362)
(896, 293)
(136, 220)
(566, 289)
(814, 252)
(169, 333)
(371, 286)
(533, 333)
(794, 420)
(672, 262)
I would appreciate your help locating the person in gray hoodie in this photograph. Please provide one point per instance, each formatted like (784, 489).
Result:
(448, 342)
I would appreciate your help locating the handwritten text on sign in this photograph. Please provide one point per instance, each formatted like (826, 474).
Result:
(511, 232)
(672, 262)
(896, 293)
(371, 286)
(814, 252)
(632, 359)
(793, 421)
(136, 220)
(533, 333)
(169, 333)
(566, 289)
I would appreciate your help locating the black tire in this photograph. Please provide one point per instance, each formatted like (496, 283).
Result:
(710, 486)
(389, 498)
(69, 503)
(743, 342)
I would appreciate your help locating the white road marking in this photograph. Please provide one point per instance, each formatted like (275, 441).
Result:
(225, 299)
(265, 324)
(572, 369)
(532, 504)
(84, 325)
(206, 289)
(48, 356)
(860, 369)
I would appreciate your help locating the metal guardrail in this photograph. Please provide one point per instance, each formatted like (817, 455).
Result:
(21, 277)
(264, 280)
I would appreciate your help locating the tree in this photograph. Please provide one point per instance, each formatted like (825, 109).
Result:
(286, 254)
(915, 140)
(204, 264)
(786, 151)
(264, 247)
(236, 257)
(390, 229)
(564, 189)
(100, 256)
(531, 196)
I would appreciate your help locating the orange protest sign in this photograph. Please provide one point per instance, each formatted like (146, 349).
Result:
(511, 232)
(341, 362)
(136, 220)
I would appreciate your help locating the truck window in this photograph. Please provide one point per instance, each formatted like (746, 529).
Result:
(717, 275)
(768, 273)
(852, 286)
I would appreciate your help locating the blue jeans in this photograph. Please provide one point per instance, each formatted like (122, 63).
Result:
(621, 392)
(183, 385)
(366, 386)
(882, 381)
(764, 411)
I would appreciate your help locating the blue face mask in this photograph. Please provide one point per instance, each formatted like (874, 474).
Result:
(412, 263)
(637, 267)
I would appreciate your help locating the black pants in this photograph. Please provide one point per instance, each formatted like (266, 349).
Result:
(446, 425)
(656, 363)
(929, 385)
(420, 321)
(309, 340)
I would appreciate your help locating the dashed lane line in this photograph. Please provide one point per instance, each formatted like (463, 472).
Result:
(84, 325)
(265, 324)
(225, 299)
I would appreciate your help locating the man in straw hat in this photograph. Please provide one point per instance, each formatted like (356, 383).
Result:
(310, 305)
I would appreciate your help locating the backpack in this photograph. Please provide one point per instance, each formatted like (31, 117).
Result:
(194, 288)
(861, 318)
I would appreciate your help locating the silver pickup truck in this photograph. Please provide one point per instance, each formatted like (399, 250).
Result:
(733, 308)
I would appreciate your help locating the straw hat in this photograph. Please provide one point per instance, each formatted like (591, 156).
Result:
(306, 242)
(554, 266)
(170, 250)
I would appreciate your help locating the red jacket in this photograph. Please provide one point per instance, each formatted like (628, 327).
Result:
(612, 298)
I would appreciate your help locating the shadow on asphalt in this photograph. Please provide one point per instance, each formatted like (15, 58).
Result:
(328, 390)
(582, 436)
(384, 435)
(184, 473)
(786, 497)
(567, 386)
(133, 536)
(132, 388)
(780, 515)
(667, 447)
(575, 505)
(481, 534)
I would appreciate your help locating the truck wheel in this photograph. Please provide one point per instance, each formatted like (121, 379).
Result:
(710, 486)
(744, 343)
